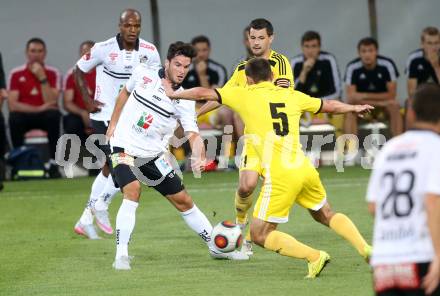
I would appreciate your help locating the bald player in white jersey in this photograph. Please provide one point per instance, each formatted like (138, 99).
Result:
(114, 60)
(143, 118)
(404, 196)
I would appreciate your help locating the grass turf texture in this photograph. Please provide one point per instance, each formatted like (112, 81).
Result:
(41, 255)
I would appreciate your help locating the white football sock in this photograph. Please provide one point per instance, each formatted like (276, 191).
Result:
(106, 196)
(125, 221)
(198, 222)
(97, 187)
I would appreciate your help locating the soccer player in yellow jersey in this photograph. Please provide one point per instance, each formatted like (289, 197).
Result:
(261, 35)
(272, 115)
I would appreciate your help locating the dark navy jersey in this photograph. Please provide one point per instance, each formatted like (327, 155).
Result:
(371, 80)
(323, 81)
(418, 67)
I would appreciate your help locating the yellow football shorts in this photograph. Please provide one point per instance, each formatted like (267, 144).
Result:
(249, 158)
(283, 187)
(208, 119)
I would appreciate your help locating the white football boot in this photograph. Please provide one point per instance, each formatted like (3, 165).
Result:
(122, 263)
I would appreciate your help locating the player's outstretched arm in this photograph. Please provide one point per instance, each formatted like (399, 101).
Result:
(120, 103)
(207, 107)
(337, 107)
(192, 94)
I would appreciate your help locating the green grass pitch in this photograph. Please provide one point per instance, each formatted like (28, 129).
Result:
(41, 255)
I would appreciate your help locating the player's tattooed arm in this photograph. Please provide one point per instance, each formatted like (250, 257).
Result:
(92, 106)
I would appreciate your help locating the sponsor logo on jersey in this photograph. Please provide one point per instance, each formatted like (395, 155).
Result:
(113, 56)
(147, 46)
(143, 59)
(34, 91)
(146, 79)
(22, 79)
(145, 121)
(98, 92)
(362, 76)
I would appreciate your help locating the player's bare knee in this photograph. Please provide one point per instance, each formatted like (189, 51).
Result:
(182, 201)
(132, 191)
(246, 187)
(323, 215)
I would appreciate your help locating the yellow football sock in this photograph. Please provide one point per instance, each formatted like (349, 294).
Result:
(179, 153)
(343, 226)
(242, 206)
(287, 245)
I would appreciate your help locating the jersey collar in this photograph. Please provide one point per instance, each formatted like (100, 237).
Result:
(121, 45)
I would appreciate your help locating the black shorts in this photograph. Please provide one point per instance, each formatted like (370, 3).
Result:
(154, 172)
(100, 128)
(401, 280)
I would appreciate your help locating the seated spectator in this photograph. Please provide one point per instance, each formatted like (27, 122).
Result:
(77, 121)
(317, 75)
(371, 79)
(33, 94)
(423, 64)
(207, 73)
(3, 96)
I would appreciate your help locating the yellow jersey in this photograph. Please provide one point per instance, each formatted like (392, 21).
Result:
(271, 115)
(281, 69)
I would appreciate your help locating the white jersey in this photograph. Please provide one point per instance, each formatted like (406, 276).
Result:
(407, 168)
(114, 66)
(149, 117)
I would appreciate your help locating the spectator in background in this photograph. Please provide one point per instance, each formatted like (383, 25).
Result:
(423, 64)
(33, 93)
(77, 121)
(317, 74)
(371, 79)
(3, 96)
(210, 74)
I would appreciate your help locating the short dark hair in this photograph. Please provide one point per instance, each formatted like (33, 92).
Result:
(258, 69)
(200, 39)
(367, 41)
(261, 23)
(35, 40)
(426, 103)
(309, 36)
(180, 48)
(431, 31)
(88, 42)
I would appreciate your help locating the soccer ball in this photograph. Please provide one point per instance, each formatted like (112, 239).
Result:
(226, 236)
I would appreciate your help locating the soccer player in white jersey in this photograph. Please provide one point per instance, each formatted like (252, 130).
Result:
(142, 119)
(404, 196)
(114, 60)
